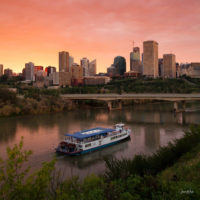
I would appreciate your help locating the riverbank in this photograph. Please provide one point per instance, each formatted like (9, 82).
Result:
(171, 173)
(12, 105)
(48, 101)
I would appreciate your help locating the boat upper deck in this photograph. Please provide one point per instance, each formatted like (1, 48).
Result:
(90, 132)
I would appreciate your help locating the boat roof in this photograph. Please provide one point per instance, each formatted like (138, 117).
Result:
(90, 132)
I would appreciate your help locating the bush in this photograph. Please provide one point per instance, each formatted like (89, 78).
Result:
(7, 96)
(8, 110)
(163, 158)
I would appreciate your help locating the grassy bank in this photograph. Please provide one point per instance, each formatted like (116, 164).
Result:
(141, 85)
(120, 85)
(171, 173)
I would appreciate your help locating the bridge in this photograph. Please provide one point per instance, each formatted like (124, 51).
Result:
(118, 98)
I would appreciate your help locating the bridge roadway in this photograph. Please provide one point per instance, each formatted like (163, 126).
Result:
(114, 101)
(142, 96)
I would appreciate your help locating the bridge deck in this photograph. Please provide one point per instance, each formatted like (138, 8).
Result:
(110, 97)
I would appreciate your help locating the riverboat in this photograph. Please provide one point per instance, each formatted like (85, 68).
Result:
(92, 139)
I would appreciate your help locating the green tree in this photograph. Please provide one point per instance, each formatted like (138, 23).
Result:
(16, 183)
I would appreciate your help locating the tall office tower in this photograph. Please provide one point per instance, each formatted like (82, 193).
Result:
(135, 63)
(63, 61)
(77, 74)
(71, 61)
(169, 65)
(112, 71)
(8, 72)
(85, 65)
(120, 65)
(1, 70)
(160, 67)
(150, 59)
(61, 78)
(29, 71)
(93, 68)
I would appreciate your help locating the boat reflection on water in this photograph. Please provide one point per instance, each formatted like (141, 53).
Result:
(89, 159)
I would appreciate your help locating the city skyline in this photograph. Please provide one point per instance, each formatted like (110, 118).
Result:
(36, 31)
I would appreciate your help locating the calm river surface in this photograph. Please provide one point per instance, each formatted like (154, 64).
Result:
(152, 125)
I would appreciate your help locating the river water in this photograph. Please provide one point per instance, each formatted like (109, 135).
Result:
(152, 125)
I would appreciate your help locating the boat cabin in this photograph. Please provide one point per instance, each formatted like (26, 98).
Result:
(86, 140)
(88, 135)
(119, 127)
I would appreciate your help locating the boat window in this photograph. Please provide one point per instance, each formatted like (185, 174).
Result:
(88, 145)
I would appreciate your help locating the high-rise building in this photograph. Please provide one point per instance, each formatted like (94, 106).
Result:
(169, 65)
(120, 65)
(71, 61)
(24, 73)
(63, 61)
(150, 58)
(40, 77)
(8, 72)
(30, 71)
(136, 53)
(77, 71)
(92, 68)
(77, 74)
(112, 71)
(85, 65)
(38, 68)
(135, 63)
(1, 70)
(50, 69)
(194, 70)
(160, 67)
(62, 78)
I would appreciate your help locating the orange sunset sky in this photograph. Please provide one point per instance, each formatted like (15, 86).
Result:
(36, 30)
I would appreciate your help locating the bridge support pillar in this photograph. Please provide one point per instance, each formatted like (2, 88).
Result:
(183, 106)
(117, 105)
(109, 103)
(175, 106)
(120, 105)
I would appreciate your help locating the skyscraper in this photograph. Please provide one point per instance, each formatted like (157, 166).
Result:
(77, 74)
(85, 65)
(150, 59)
(92, 68)
(112, 71)
(63, 61)
(135, 63)
(8, 72)
(169, 65)
(120, 64)
(29, 71)
(71, 61)
(160, 67)
(1, 70)
(50, 70)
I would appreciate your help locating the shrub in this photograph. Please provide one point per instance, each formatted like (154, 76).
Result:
(163, 158)
(7, 110)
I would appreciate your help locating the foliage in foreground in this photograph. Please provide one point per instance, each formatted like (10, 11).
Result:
(124, 180)
(151, 165)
